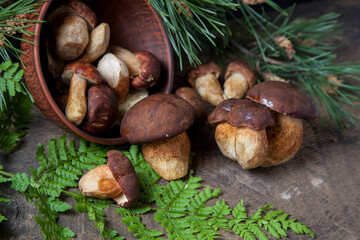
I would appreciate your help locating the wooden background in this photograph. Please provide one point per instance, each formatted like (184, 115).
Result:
(320, 186)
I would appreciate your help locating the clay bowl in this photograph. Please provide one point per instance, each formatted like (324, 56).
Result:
(134, 25)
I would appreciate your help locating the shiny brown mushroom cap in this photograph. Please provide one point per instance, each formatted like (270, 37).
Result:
(201, 70)
(156, 117)
(247, 113)
(150, 69)
(284, 98)
(195, 100)
(124, 173)
(219, 114)
(244, 69)
(85, 70)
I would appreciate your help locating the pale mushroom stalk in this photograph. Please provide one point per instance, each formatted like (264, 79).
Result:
(77, 103)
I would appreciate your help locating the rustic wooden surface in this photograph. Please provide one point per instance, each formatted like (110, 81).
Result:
(320, 186)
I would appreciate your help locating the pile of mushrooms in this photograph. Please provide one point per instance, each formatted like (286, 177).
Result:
(94, 97)
(266, 128)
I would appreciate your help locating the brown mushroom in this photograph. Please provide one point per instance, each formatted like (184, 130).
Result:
(195, 100)
(102, 109)
(80, 74)
(159, 122)
(242, 135)
(70, 35)
(290, 105)
(219, 114)
(239, 77)
(84, 11)
(204, 79)
(115, 180)
(128, 57)
(150, 68)
(98, 43)
(115, 74)
(134, 96)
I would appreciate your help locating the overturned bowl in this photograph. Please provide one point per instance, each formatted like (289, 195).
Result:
(134, 25)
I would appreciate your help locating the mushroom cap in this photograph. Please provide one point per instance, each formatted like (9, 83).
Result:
(284, 98)
(156, 117)
(202, 70)
(246, 113)
(84, 11)
(219, 114)
(195, 100)
(124, 173)
(244, 69)
(102, 109)
(150, 69)
(85, 70)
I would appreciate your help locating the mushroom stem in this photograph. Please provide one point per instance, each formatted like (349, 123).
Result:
(284, 140)
(235, 86)
(209, 89)
(76, 106)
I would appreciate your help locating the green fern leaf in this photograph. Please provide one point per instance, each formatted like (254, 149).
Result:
(57, 205)
(20, 182)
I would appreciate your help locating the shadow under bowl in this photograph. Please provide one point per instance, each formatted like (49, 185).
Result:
(134, 25)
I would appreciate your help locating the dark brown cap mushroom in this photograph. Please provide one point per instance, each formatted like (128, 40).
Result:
(115, 180)
(150, 68)
(195, 100)
(204, 79)
(284, 98)
(247, 113)
(219, 114)
(156, 117)
(80, 74)
(102, 109)
(84, 11)
(124, 173)
(239, 77)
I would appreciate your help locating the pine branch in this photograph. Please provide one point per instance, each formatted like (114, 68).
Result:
(304, 56)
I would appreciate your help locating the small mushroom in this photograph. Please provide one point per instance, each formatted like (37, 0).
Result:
(159, 122)
(241, 136)
(116, 75)
(98, 43)
(195, 100)
(128, 57)
(102, 109)
(80, 74)
(84, 11)
(150, 68)
(290, 105)
(115, 180)
(71, 35)
(144, 67)
(239, 77)
(204, 79)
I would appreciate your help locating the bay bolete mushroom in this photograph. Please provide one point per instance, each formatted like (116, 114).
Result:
(116, 75)
(195, 100)
(239, 77)
(291, 105)
(102, 110)
(116, 180)
(241, 134)
(79, 75)
(98, 43)
(159, 122)
(204, 79)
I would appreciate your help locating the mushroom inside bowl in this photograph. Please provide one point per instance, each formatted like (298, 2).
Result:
(134, 25)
